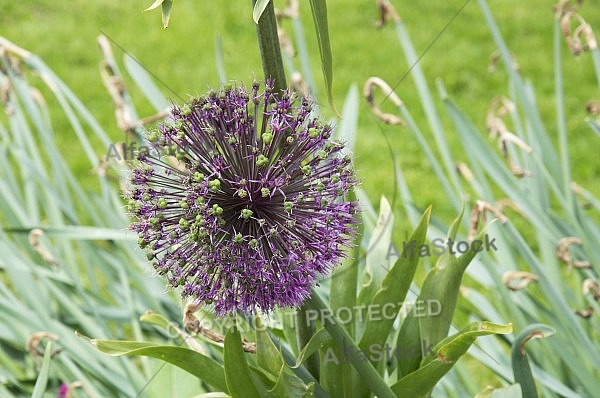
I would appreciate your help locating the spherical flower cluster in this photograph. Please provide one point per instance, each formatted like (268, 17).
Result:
(242, 205)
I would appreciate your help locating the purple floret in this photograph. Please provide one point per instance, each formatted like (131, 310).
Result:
(241, 200)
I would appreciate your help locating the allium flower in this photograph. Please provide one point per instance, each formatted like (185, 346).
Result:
(252, 210)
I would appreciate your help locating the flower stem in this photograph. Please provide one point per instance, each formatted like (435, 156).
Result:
(270, 52)
(305, 329)
(341, 337)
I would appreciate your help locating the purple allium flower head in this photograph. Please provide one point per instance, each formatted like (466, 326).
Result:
(252, 210)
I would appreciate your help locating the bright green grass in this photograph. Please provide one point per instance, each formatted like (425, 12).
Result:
(64, 35)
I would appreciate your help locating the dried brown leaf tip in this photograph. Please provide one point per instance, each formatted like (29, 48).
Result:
(591, 286)
(584, 194)
(35, 340)
(369, 93)
(499, 109)
(581, 37)
(478, 215)
(464, 170)
(593, 109)
(564, 6)
(285, 42)
(518, 280)
(291, 11)
(114, 84)
(506, 203)
(299, 85)
(193, 325)
(386, 12)
(585, 314)
(495, 57)
(34, 240)
(563, 252)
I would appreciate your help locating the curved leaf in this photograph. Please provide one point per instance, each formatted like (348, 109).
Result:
(420, 382)
(166, 12)
(443, 284)
(318, 340)
(521, 368)
(259, 8)
(165, 6)
(203, 367)
(377, 258)
(154, 5)
(394, 286)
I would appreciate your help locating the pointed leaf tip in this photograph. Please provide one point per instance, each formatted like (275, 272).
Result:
(259, 8)
(154, 5)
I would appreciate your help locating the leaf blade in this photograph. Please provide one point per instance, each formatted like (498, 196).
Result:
(319, 13)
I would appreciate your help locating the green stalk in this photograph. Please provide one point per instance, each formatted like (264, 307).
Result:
(341, 337)
(563, 144)
(268, 43)
(304, 331)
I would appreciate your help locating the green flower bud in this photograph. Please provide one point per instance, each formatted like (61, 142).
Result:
(183, 224)
(198, 177)
(186, 110)
(216, 209)
(238, 238)
(214, 184)
(288, 206)
(262, 160)
(267, 138)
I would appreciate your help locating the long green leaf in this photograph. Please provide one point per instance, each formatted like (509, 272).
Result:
(521, 368)
(42, 380)
(319, 339)
(368, 373)
(442, 283)
(377, 259)
(203, 367)
(319, 13)
(237, 372)
(394, 287)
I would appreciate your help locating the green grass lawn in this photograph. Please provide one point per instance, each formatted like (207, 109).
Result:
(64, 35)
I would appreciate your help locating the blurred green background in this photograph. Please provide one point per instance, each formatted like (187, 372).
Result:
(182, 56)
